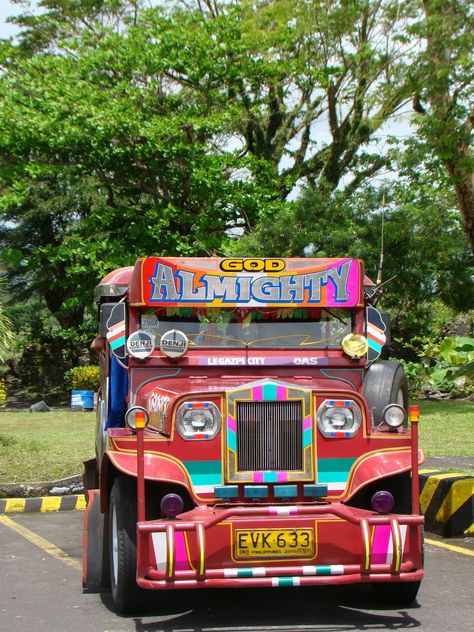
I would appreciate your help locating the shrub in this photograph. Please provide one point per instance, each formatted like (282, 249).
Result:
(84, 378)
(445, 366)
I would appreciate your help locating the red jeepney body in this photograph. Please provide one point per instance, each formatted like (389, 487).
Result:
(257, 511)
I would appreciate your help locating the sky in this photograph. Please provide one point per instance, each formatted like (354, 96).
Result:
(7, 9)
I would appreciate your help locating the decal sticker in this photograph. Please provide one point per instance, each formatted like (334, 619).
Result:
(174, 343)
(375, 333)
(141, 344)
(158, 405)
(149, 322)
(261, 361)
(116, 334)
(252, 265)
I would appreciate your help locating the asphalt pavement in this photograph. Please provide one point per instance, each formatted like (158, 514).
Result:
(40, 590)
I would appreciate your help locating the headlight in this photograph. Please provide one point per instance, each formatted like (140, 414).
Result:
(198, 420)
(339, 418)
(394, 415)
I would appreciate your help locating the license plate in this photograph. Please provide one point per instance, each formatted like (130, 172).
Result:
(269, 543)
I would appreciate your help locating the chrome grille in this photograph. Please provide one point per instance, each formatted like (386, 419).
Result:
(269, 436)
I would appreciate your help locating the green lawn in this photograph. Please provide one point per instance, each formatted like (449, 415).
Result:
(51, 446)
(44, 446)
(447, 428)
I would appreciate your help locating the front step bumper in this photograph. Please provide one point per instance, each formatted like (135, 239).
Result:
(351, 546)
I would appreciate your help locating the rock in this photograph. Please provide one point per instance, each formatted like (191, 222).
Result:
(73, 485)
(40, 407)
(59, 491)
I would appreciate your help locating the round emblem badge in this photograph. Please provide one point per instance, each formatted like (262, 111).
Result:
(174, 343)
(141, 344)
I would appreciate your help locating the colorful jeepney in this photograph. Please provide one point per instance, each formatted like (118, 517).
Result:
(248, 434)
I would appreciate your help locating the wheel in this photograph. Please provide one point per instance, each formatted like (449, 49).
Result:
(396, 594)
(96, 574)
(385, 383)
(399, 594)
(126, 595)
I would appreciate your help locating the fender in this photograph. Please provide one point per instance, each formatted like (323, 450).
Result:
(158, 467)
(381, 464)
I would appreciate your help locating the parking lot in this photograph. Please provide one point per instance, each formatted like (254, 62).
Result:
(40, 589)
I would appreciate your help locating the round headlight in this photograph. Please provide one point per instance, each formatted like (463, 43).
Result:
(198, 420)
(339, 416)
(394, 415)
(137, 417)
(355, 345)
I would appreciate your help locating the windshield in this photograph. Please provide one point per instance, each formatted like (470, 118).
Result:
(314, 328)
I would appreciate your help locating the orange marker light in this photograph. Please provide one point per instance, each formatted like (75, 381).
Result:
(414, 414)
(140, 419)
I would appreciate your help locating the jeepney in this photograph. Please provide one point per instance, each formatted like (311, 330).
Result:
(248, 434)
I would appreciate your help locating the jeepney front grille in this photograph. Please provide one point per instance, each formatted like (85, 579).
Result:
(269, 436)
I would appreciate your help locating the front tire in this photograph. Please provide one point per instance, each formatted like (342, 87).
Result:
(126, 594)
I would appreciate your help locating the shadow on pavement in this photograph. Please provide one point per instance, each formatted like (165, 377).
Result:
(338, 609)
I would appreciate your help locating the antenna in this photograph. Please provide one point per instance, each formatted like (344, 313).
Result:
(379, 273)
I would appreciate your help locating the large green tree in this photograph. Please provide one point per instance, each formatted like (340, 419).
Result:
(128, 129)
(444, 95)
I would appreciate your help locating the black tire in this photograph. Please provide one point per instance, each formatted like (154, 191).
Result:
(385, 383)
(391, 594)
(96, 575)
(395, 594)
(126, 594)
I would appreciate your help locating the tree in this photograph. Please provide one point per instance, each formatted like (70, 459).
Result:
(6, 334)
(444, 95)
(127, 130)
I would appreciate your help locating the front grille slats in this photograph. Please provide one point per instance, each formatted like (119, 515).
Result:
(269, 436)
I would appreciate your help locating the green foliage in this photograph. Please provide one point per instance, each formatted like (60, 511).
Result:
(3, 392)
(129, 129)
(443, 83)
(6, 332)
(83, 378)
(445, 365)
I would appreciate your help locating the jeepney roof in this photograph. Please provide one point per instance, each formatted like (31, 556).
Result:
(179, 281)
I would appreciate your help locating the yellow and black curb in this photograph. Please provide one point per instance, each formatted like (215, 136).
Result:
(48, 503)
(447, 502)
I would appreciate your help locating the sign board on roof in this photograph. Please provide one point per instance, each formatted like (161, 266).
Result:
(209, 282)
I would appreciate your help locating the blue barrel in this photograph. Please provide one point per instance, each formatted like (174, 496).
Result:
(82, 400)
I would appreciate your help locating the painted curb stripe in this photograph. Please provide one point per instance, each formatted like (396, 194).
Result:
(447, 500)
(44, 545)
(45, 504)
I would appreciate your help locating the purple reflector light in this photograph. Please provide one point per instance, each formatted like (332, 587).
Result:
(171, 505)
(382, 502)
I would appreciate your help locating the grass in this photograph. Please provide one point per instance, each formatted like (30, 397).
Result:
(447, 428)
(51, 446)
(44, 446)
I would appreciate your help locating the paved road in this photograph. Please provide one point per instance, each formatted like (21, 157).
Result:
(39, 591)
